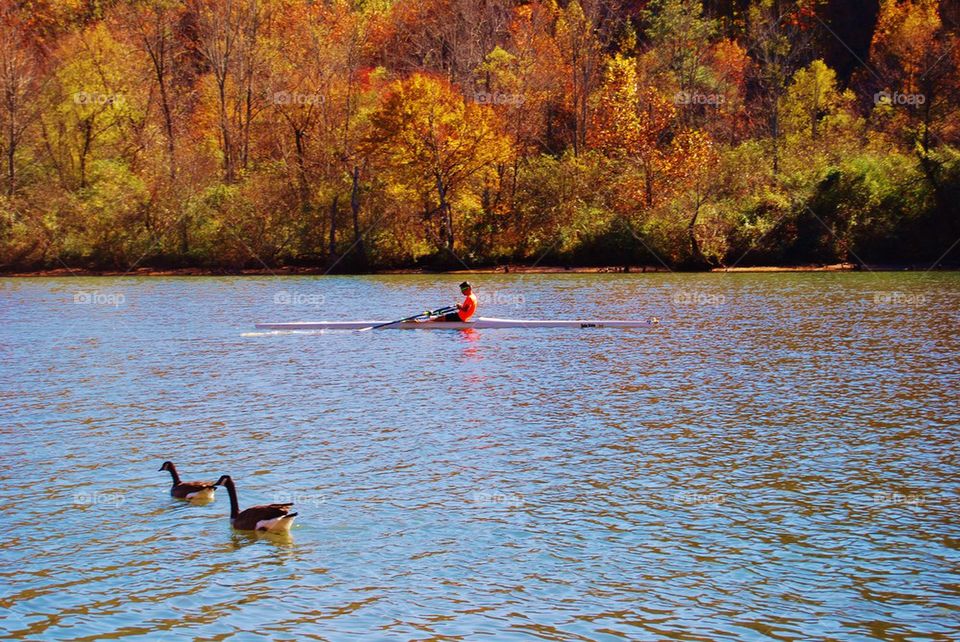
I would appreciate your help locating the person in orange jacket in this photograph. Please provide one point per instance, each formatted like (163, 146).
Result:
(466, 309)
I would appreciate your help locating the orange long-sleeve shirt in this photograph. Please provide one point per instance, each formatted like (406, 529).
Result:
(468, 307)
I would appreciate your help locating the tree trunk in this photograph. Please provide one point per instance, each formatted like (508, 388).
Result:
(648, 185)
(333, 225)
(931, 170)
(171, 144)
(775, 132)
(302, 186)
(576, 107)
(158, 55)
(228, 170)
(246, 125)
(584, 104)
(445, 214)
(87, 139)
(355, 210)
(11, 152)
(697, 259)
(250, 46)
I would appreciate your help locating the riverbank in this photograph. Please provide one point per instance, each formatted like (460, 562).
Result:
(501, 269)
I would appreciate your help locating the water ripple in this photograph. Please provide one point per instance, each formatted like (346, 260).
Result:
(777, 460)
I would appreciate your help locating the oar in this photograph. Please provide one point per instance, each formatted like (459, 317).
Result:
(432, 314)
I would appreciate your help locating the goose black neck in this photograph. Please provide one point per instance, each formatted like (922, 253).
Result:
(232, 491)
(174, 474)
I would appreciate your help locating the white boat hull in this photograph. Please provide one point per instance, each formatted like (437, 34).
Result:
(480, 323)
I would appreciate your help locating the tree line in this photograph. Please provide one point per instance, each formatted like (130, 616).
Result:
(372, 134)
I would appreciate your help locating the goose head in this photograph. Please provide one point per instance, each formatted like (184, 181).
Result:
(167, 465)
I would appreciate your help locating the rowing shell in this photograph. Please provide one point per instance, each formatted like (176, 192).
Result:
(480, 323)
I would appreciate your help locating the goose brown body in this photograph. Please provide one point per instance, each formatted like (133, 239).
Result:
(275, 518)
(188, 490)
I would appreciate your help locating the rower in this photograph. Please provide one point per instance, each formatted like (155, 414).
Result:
(466, 309)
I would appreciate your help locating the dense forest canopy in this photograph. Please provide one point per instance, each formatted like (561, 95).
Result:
(363, 134)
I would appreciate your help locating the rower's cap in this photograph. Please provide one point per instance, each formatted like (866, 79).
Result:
(464, 285)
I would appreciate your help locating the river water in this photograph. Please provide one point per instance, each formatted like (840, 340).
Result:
(776, 460)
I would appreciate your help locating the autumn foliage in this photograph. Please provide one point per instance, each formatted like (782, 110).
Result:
(365, 134)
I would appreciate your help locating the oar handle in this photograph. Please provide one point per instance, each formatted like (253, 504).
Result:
(436, 313)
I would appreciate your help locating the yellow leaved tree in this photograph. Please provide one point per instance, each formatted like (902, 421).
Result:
(435, 147)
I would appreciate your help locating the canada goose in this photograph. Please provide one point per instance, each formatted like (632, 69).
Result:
(188, 490)
(275, 518)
